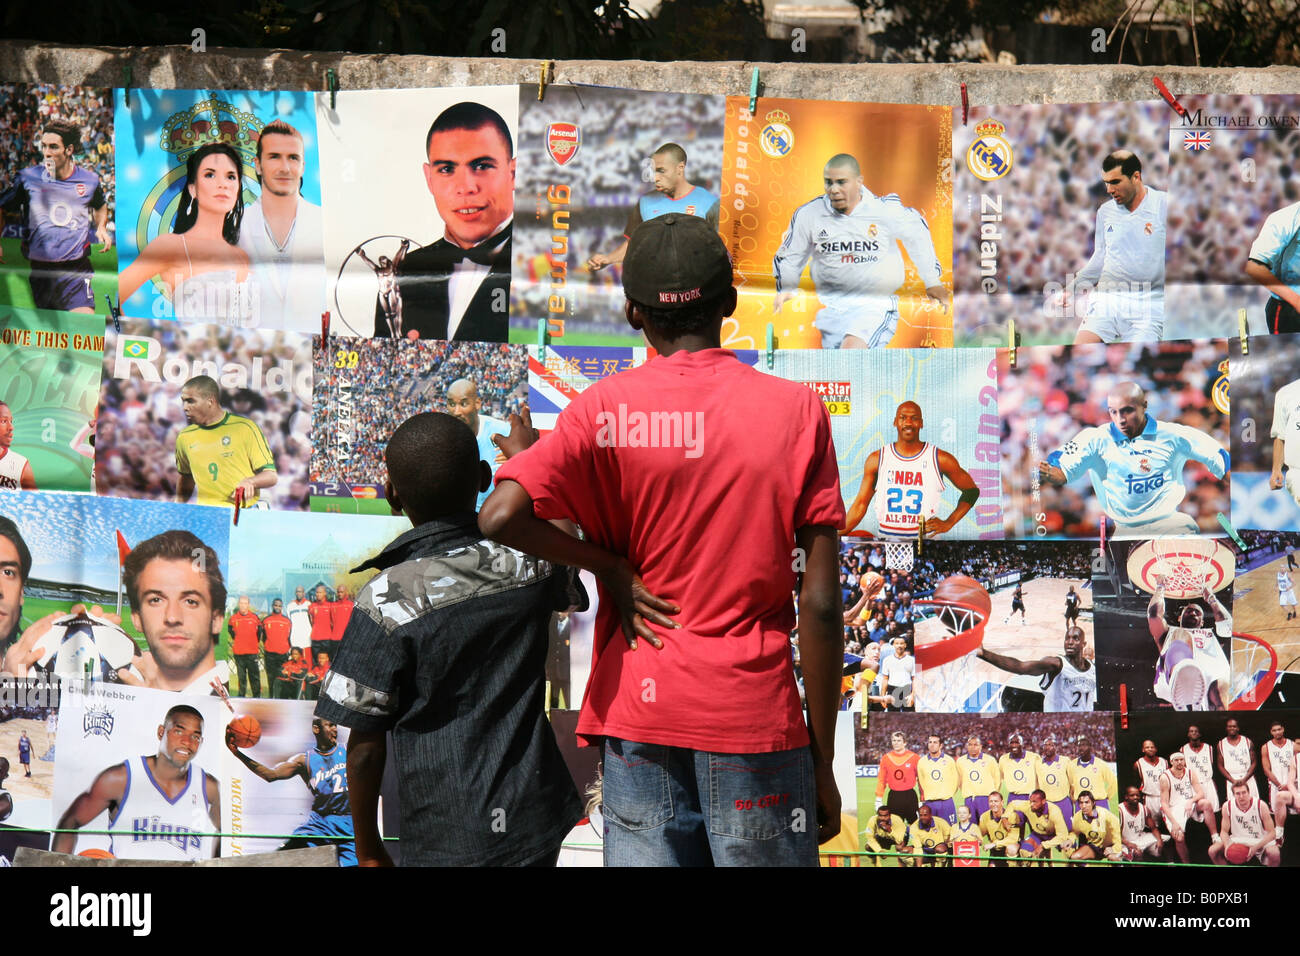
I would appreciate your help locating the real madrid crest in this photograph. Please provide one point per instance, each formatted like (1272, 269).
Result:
(777, 138)
(989, 156)
(1219, 390)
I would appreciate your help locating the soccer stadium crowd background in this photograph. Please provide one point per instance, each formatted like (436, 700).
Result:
(394, 379)
(994, 732)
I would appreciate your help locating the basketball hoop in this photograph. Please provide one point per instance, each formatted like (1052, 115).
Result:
(1254, 672)
(1189, 566)
(942, 665)
(899, 555)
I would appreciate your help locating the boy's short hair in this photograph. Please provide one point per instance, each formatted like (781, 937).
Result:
(439, 440)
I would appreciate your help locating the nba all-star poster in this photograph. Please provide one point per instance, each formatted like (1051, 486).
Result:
(1043, 235)
(49, 386)
(420, 193)
(593, 163)
(838, 217)
(266, 273)
(57, 197)
(1234, 229)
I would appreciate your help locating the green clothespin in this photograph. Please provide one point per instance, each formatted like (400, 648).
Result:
(753, 93)
(332, 84)
(771, 345)
(1232, 532)
(543, 337)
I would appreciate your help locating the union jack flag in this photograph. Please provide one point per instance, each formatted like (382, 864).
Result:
(1196, 141)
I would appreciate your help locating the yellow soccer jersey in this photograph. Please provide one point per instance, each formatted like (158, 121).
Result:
(1050, 826)
(1096, 776)
(891, 839)
(927, 840)
(968, 831)
(220, 456)
(997, 833)
(1100, 832)
(1019, 776)
(938, 777)
(1054, 778)
(979, 777)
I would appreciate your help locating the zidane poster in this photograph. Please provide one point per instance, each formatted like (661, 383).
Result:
(838, 218)
(49, 387)
(1059, 216)
(594, 162)
(220, 219)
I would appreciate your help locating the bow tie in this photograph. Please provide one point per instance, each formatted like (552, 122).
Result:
(449, 255)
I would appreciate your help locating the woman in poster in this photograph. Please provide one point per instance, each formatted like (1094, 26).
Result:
(199, 263)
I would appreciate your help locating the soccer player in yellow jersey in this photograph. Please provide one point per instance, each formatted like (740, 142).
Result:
(887, 833)
(1045, 827)
(218, 453)
(1019, 769)
(965, 830)
(930, 839)
(979, 776)
(1088, 772)
(1054, 777)
(1001, 836)
(1097, 830)
(937, 774)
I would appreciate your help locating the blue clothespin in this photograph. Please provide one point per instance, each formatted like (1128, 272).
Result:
(771, 345)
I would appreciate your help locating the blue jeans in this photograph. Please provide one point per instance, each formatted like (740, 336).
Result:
(668, 806)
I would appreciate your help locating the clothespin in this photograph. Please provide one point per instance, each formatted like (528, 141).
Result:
(126, 84)
(753, 92)
(1014, 338)
(1232, 532)
(920, 535)
(324, 326)
(965, 103)
(1241, 330)
(1177, 107)
(1123, 706)
(115, 311)
(239, 504)
(543, 337)
(332, 84)
(546, 75)
(770, 345)
(1101, 534)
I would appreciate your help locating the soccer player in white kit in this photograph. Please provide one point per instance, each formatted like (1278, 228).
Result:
(1182, 798)
(1136, 465)
(15, 469)
(1246, 820)
(909, 474)
(1286, 424)
(161, 807)
(1192, 672)
(1274, 262)
(1069, 681)
(1126, 272)
(299, 614)
(853, 237)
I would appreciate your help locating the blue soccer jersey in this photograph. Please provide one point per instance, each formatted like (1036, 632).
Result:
(487, 427)
(698, 202)
(1139, 480)
(59, 221)
(1277, 247)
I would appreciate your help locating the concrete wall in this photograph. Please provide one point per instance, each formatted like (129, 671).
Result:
(180, 68)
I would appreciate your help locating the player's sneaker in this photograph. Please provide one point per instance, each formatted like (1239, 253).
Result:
(1187, 686)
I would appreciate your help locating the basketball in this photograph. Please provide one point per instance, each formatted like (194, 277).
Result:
(245, 731)
(96, 853)
(1237, 853)
(962, 589)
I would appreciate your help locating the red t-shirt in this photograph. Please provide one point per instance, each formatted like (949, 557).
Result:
(322, 621)
(341, 611)
(244, 627)
(709, 522)
(277, 627)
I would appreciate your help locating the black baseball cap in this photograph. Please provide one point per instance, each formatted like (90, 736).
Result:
(673, 261)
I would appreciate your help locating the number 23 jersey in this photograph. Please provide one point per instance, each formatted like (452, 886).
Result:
(908, 489)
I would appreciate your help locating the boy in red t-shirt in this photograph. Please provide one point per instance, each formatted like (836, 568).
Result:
(718, 484)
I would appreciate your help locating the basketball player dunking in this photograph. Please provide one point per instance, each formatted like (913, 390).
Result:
(1192, 672)
(910, 474)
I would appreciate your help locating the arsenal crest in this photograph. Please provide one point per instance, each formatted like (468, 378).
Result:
(562, 142)
(81, 189)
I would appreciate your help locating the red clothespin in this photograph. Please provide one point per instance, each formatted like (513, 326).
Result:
(239, 504)
(324, 326)
(1169, 98)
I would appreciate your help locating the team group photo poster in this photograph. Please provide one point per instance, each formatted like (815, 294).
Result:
(1135, 436)
(1234, 226)
(220, 219)
(205, 413)
(419, 210)
(57, 197)
(838, 217)
(593, 163)
(49, 387)
(1044, 235)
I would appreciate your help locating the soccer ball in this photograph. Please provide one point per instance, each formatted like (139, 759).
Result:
(79, 640)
